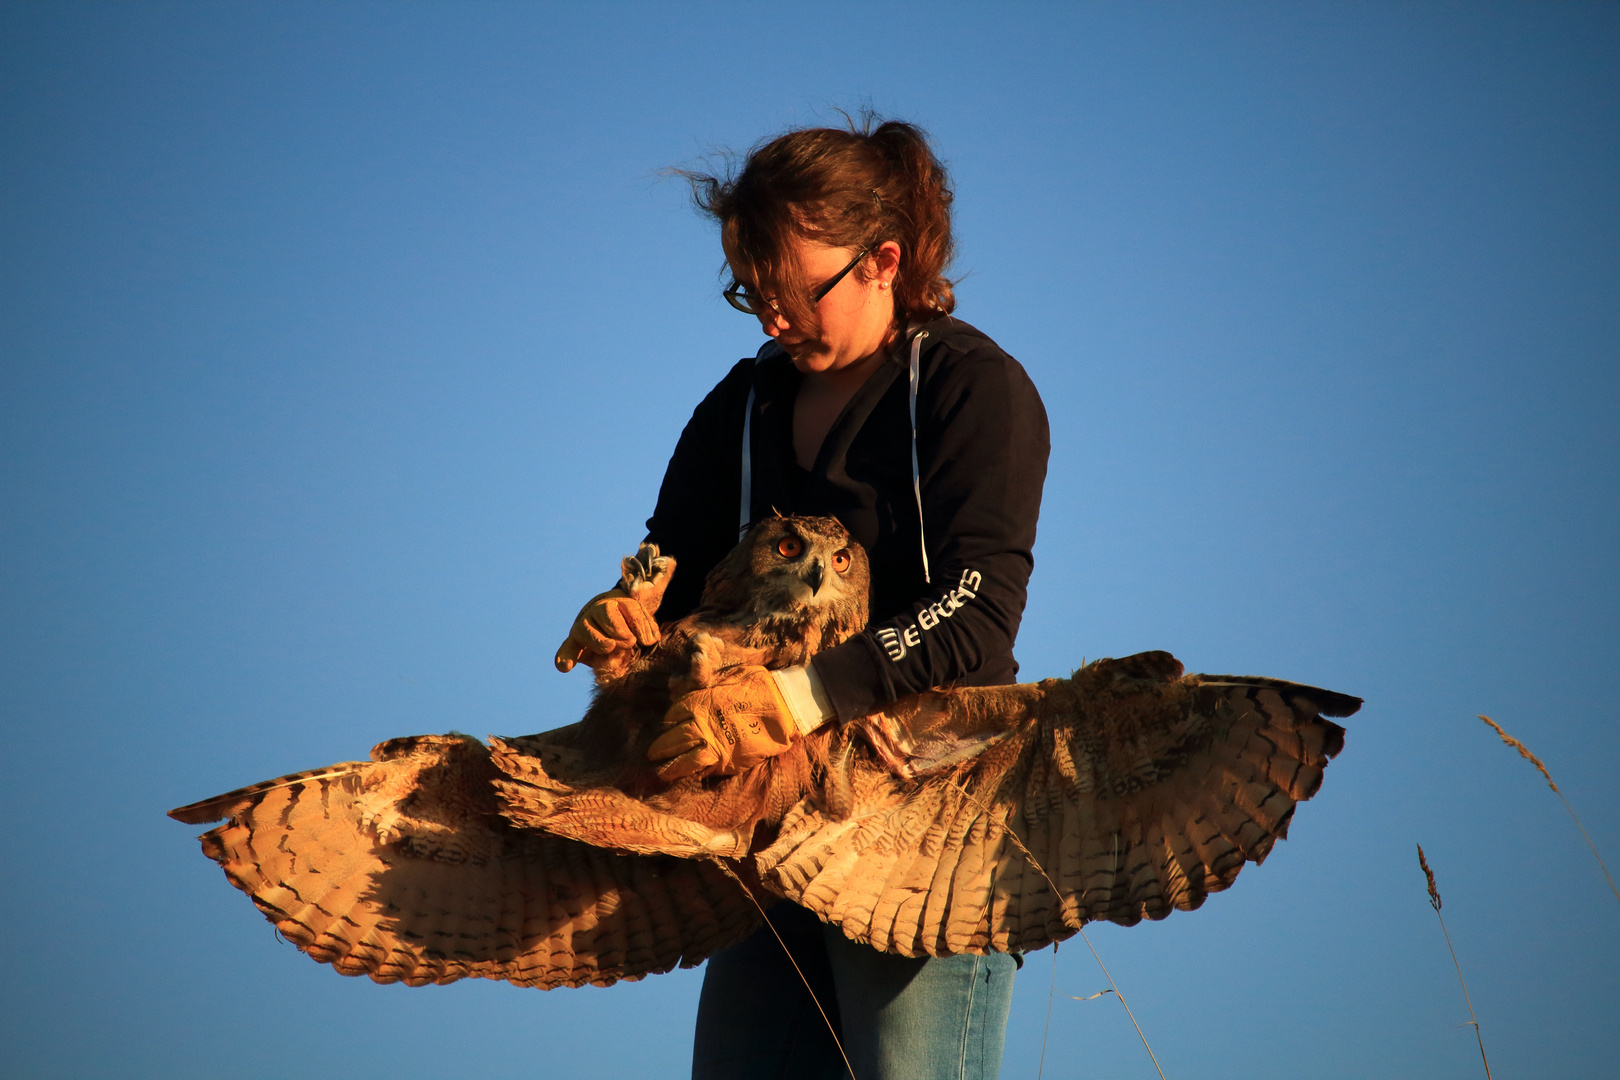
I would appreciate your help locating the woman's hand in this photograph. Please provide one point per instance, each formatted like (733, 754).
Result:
(622, 617)
(609, 621)
(752, 715)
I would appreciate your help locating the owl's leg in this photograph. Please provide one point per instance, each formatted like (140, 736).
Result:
(710, 658)
(935, 730)
(607, 818)
(838, 793)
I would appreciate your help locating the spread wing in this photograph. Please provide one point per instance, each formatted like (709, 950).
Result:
(401, 868)
(1124, 793)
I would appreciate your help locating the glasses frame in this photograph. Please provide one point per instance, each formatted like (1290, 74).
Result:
(745, 302)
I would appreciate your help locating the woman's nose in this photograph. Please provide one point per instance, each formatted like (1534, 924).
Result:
(772, 323)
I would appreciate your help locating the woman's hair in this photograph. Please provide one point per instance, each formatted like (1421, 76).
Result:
(855, 187)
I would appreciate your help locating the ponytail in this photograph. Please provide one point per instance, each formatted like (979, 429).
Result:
(855, 187)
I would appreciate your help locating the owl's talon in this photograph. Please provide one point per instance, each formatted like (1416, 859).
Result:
(645, 575)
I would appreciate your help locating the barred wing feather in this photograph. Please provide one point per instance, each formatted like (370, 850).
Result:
(401, 868)
(1124, 793)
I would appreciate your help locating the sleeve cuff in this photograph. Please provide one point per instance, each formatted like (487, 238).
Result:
(801, 688)
(854, 678)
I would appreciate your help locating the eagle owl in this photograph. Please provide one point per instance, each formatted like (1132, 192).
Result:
(955, 821)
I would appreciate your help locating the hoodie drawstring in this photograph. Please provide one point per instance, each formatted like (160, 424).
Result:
(746, 502)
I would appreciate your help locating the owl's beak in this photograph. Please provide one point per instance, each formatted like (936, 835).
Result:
(814, 577)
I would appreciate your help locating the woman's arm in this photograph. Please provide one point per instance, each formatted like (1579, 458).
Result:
(982, 445)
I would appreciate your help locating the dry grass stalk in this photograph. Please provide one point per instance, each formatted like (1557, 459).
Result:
(1434, 902)
(1047, 1030)
(1036, 863)
(825, 1019)
(1115, 988)
(1524, 752)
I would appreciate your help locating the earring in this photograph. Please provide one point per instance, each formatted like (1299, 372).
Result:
(883, 284)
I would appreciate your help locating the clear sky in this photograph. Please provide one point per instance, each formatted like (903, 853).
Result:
(342, 348)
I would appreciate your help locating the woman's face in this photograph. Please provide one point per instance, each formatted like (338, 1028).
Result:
(857, 314)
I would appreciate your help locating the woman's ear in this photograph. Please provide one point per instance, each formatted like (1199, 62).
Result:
(885, 261)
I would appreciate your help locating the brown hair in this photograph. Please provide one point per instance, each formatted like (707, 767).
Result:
(855, 187)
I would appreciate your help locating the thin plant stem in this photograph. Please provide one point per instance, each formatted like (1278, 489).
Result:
(1047, 1030)
(1036, 863)
(811, 990)
(1524, 752)
(1434, 902)
(1591, 845)
(1473, 1021)
(1122, 1001)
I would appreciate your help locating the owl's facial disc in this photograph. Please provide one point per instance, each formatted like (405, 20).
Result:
(812, 567)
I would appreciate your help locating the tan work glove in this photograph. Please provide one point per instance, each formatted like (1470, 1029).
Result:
(723, 729)
(622, 617)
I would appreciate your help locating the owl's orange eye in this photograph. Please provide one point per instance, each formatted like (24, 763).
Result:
(790, 547)
(840, 560)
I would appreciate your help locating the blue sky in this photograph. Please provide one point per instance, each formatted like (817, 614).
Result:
(342, 347)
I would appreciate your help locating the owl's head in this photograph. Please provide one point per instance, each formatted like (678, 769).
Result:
(796, 578)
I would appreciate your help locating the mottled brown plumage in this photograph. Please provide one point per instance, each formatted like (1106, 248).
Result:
(955, 821)
(402, 868)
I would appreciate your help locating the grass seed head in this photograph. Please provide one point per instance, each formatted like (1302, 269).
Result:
(1524, 751)
(1434, 893)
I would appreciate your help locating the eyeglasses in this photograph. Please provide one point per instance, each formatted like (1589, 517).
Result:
(746, 300)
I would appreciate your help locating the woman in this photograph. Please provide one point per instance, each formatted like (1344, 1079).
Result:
(871, 404)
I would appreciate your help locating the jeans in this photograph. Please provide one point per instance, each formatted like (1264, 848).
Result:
(899, 1018)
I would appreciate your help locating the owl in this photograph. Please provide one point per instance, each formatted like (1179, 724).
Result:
(955, 821)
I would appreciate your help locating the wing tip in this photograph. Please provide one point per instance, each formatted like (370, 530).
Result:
(204, 812)
(1339, 705)
(1325, 702)
(218, 807)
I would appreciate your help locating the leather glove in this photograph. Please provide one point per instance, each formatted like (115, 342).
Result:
(622, 617)
(723, 729)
